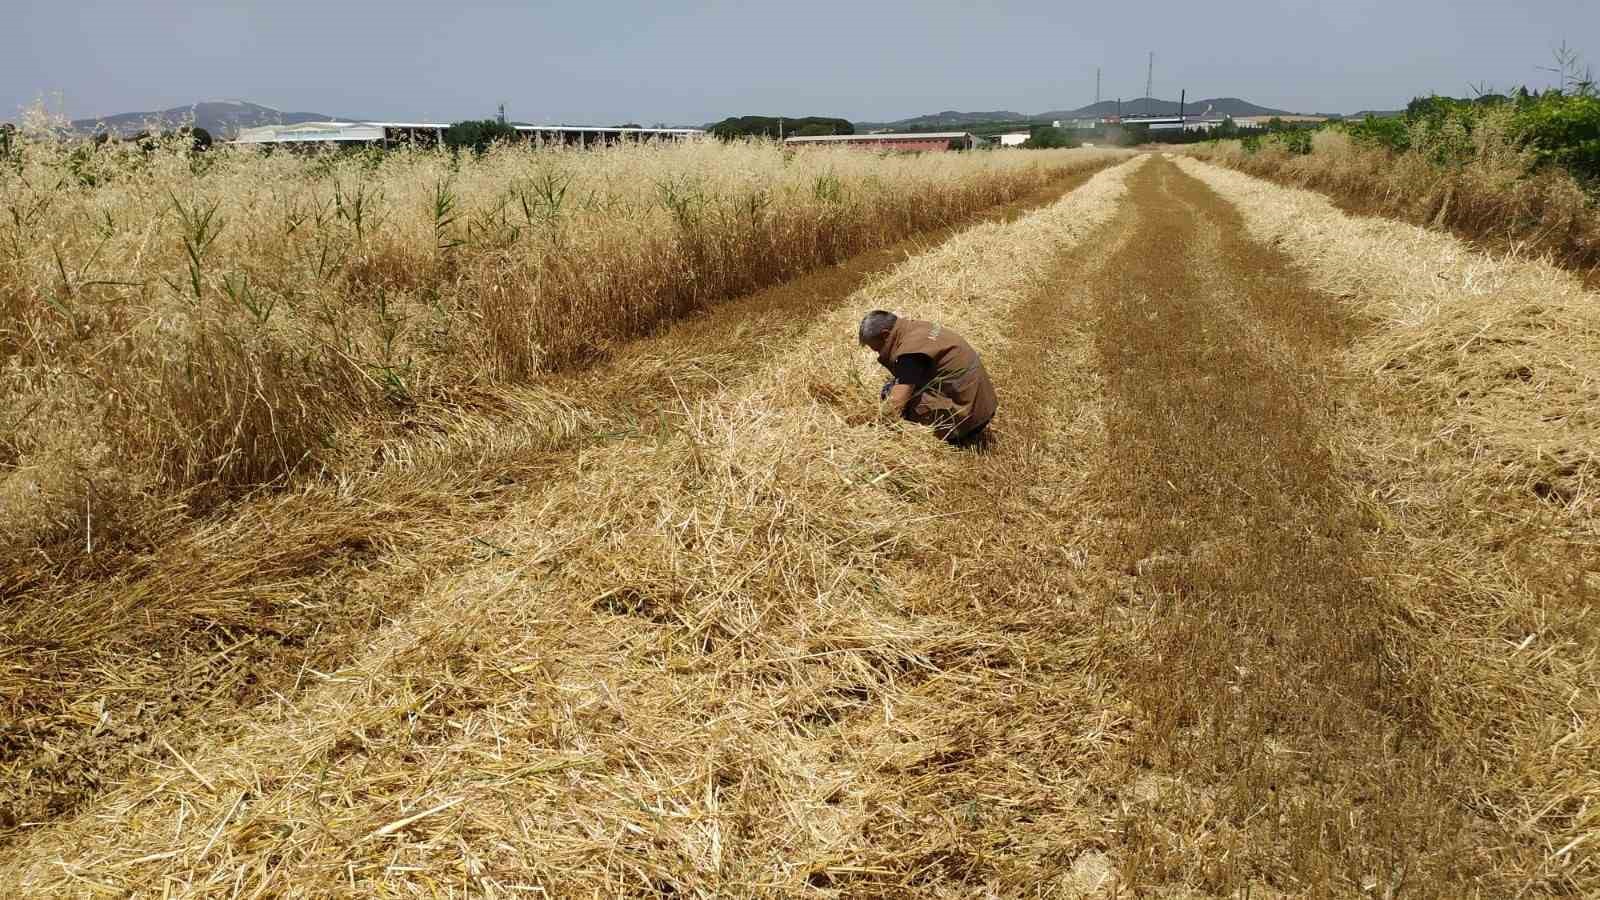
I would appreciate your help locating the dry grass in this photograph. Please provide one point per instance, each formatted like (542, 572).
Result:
(301, 577)
(1496, 199)
(181, 330)
(682, 671)
(1470, 426)
(1276, 579)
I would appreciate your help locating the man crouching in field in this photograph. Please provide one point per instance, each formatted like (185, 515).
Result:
(939, 380)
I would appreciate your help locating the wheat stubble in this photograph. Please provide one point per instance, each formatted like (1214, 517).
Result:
(1280, 742)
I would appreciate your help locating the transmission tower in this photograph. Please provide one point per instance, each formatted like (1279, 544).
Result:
(1149, 81)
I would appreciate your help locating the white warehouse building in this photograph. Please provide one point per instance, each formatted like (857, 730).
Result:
(342, 133)
(384, 133)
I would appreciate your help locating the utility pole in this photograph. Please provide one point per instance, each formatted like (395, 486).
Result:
(1097, 85)
(1149, 81)
(502, 114)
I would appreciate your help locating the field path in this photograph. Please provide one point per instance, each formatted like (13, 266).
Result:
(1282, 740)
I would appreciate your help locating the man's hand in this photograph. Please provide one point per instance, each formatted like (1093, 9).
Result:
(894, 404)
(899, 398)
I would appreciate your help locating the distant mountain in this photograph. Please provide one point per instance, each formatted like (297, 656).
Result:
(948, 119)
(1219, 106)
(223, 118)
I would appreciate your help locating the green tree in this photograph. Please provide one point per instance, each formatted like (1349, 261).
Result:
(1048, 137)
(1563, 130)
(1133, 135)
(815, 129)
(478, 134)
(1390, 132)
(199, 139)
(735, 127)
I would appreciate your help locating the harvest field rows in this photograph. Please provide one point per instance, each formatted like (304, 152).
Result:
(1277, 575)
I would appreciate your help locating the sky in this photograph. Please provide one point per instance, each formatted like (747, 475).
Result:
(688, 62)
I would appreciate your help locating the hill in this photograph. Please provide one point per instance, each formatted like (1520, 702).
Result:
(947, 119)
(1222, 106)
(223, 118)
(772, 126)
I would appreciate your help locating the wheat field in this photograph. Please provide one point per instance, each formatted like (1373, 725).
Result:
(183, 329)
(1275, 577)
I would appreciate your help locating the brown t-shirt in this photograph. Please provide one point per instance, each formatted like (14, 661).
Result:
(951, 388)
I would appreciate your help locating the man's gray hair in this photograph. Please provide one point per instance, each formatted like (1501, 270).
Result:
(875, 325)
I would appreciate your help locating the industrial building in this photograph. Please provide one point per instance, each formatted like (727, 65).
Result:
(583, 135)
(343, 133)
(1262, 121)
(1156, 123)
(909, 142)
(432, 133)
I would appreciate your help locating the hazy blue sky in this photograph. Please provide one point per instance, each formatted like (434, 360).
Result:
(699, 60)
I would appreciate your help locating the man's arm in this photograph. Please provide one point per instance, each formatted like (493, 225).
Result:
(899, 397)
(911, 373)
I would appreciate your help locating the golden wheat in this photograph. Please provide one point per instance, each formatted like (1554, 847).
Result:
(1277, 578)
(634, 695)
(177, 329)
(1498, 198)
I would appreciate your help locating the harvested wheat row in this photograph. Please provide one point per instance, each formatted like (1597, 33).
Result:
(1473, 431)
(635, 695)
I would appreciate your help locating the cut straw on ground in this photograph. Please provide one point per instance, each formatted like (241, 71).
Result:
(234, 608)
(178, 331)
(640, 696)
